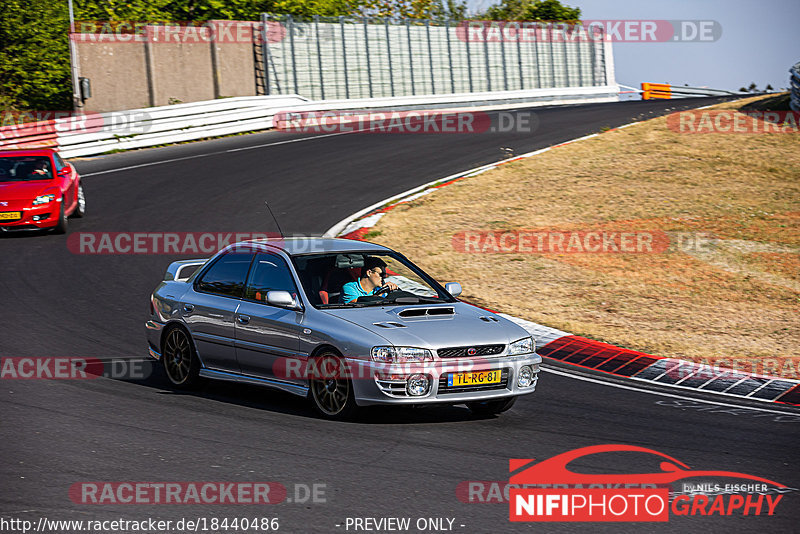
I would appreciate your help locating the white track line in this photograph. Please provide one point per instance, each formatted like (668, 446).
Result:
(195, 156)
(661, 393)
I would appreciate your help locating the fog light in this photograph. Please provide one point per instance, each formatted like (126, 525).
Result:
(41, 217)
(418, 385)
(525, 377)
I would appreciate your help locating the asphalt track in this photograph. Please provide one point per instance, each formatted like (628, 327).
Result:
(393, 462)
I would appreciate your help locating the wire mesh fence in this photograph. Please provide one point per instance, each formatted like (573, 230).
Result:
(340, 58)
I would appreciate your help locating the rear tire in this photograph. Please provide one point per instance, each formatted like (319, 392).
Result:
(61, 227)
(492, 407)
(180, 362)
(330, 389)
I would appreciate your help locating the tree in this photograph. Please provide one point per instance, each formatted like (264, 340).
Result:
(415, 9)
(34, 55)
(769, 88)
(34, 34)
(544, 10)
(752, 87)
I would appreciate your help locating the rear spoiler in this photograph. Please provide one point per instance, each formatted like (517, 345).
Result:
(182, 270)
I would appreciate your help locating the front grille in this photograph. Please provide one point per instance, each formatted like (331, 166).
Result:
(444, 388)
(461, 352)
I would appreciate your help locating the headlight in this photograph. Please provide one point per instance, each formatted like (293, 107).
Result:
(401, 354)
(522, 346)
(43, 199)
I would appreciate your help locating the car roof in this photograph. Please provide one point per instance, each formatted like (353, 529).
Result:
(296, 246)
(26, 152)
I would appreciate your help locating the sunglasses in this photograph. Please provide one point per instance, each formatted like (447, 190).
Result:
(382, 274)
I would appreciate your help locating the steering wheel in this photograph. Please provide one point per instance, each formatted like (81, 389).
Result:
(383, 289)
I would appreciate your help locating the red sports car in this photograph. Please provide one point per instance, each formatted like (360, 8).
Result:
(38, 190)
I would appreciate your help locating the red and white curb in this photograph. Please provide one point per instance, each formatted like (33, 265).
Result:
(587, 353)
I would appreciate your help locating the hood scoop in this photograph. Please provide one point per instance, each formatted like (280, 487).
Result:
(390, 324)
(409, 313)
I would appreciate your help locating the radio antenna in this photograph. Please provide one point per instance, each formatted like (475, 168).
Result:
(274, 218)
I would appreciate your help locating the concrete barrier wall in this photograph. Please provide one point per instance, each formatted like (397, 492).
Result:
(160, 69)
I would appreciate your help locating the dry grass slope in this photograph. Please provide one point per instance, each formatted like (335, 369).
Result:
(736, 294)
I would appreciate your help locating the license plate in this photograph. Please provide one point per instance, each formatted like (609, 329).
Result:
(10, 215)
(474, 378)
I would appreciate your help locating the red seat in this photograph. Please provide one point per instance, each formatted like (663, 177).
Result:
(334, 281)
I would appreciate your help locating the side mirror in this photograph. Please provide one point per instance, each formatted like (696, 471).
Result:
(282, 299)
(454, 288)
(64, 171)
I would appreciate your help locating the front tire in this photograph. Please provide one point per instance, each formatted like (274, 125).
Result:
(80, 209)
(61, 226)
(331, 390)
(492, 407)
(180, 362)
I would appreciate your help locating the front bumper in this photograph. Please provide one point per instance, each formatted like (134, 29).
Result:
(376, 383)
(32, 217)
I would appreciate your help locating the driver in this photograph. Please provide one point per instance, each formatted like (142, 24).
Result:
(373, 274)
(40, 168)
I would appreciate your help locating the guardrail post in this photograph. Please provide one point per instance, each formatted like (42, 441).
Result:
(552, 54)
(344, 59)
(319, 58)
(502, 45)
(488, 70)
(519, 55)
(290, 24)
(265, 52)
(536, 54)
(430, 54)
(566, 59)
(469, 58)
(389, 56)
(366, 50)
(410, 56)
(449, 55)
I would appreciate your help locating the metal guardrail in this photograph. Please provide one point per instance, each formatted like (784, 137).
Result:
(794, 101)
(668, 91)
(93, 134)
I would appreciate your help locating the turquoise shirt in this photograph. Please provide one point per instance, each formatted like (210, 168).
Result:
(352, 290)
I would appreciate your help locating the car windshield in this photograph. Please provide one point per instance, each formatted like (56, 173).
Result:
(324, 277)
(25, 168)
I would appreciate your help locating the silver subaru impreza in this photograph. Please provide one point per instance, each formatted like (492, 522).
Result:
(344, 323)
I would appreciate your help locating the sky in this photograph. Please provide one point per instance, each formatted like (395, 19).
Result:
(760, 41)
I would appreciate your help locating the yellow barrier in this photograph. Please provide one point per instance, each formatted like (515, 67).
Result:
(656, 90)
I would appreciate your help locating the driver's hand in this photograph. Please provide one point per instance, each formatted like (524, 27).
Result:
(392, 286)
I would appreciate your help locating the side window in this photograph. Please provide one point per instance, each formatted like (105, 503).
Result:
(59, 162)
(227, 275)
(269, 273)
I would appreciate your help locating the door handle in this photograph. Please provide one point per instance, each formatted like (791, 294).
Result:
(243, 319)
(188, 308)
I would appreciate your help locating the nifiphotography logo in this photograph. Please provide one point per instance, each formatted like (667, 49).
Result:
(550, 491)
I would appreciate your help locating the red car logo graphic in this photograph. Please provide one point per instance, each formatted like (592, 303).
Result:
(554, 470)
